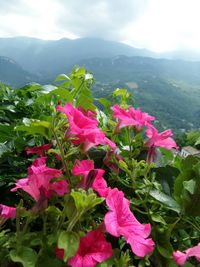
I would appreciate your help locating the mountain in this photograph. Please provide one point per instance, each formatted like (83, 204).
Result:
(13, 74)
(48, 58)
(168, 89)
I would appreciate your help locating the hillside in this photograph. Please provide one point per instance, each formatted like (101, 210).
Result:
(13, 74)
(168, 89)
(47, 58)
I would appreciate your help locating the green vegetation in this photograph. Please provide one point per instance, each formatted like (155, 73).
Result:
(166, 195)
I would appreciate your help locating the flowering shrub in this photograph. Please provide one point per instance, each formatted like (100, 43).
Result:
(102, 188)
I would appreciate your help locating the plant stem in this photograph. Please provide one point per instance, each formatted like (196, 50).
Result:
(74, 220)
(62, 154)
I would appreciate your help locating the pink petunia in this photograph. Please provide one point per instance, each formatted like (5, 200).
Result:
(91, 177)
(181, 257)
(120, 221)
(156, 139)
(38, 182)
(131, 117)
(7, 212)
(84, 128)
(93, 249)
(38, 150)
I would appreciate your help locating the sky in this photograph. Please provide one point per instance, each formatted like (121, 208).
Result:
(157, 25)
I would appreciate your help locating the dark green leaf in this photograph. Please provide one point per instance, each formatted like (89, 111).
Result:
(69, 241)
(24, 255)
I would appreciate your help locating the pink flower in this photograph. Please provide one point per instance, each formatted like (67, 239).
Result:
(7, 212)
(91, 177)
(39, 150)
(93, 249)
(131, 117)
(158, 140)
(119, 221)
(38, 183)
(83, 128)
(88, 113)
(181, 257)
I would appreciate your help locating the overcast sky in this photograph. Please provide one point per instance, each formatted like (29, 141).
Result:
(158, 25)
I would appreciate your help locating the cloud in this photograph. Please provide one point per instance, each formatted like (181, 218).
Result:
(103, 18)
(153, 24)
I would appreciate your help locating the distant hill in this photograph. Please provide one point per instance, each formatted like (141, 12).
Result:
(168, 89)
(13, 74)
(48, 58)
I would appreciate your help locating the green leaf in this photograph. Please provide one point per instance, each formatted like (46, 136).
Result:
(187, 186)
(6, 133)
(32, 127)
(104, 102)
(85, 99)
(24, 255)
(162, 240)
(62, 77)
(4, 148)
(120, 92)
(85, 200)
(166, 176)
(158, 218)
(47, 88)
(168, 201)
(69, 241)
(168, 155)
(63, 94)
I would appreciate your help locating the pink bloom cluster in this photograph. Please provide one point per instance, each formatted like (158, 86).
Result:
(138, 119)
(84, 128)
(131, 117)
(91, 177)
(39, 183)
(93, 249)
(181, 257)
(119, 221)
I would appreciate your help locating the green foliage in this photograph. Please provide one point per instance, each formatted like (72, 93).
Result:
(187, 186)
(166, 195)
(26, 256)
(69, 241)
(85, 200)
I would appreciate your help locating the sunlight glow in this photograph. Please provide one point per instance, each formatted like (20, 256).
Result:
(167, 25)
